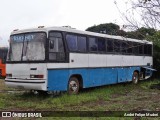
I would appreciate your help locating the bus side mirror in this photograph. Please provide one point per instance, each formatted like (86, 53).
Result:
(51, 44)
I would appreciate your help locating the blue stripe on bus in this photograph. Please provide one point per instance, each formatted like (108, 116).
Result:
(58, 78)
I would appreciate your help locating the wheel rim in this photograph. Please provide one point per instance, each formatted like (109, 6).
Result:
(135, 78)
(73, 86)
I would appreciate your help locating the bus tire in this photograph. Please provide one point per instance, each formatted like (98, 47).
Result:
(135, 78)
(73, 86)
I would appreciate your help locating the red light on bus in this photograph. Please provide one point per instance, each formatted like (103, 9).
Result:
(36, 76)
(8, 75)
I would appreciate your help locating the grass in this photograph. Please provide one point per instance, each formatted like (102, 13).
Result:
(120, 97)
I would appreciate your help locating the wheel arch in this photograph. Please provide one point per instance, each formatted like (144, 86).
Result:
(136, 71)
(80, 79)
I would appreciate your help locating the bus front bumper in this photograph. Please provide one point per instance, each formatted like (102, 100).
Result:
(29, 84)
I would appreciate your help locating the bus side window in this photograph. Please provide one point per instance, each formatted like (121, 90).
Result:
(110, 47)
(141, 49)
(76, 43)
(93, 44)
(101, 45)
(117, 46)
(129, 47)
(72, 42)
(82, 43)
(150, 50)
(56, 48)
(124, 47)
(135, 48)
(145, 49)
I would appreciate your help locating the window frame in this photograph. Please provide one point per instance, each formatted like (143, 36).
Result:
(76, 34)
(66, 59)
(110, 39)
(120, 44)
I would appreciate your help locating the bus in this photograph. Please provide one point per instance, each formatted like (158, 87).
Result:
(49, 59)
(3, 56)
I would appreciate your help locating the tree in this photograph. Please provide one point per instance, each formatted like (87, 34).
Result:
(107, 28)
(141, 33)
(156, 54)
(141, 13)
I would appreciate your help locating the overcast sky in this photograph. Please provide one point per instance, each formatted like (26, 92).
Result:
(79, 14)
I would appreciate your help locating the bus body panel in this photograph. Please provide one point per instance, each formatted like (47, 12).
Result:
(78, 60)
(125, 73)
(148, 60)
(97, 60)
(25, 84)
(21, 76)
(127, 60)
(101, 60)
(58, 78)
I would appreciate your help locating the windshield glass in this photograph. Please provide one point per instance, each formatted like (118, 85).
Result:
(27, 47)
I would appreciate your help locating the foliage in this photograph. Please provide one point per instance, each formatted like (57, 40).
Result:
(141, 33)
(107, 28)
(140, 13)
(114, 29)
(156, 54)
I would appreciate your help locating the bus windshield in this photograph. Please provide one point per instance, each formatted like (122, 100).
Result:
(27, 47)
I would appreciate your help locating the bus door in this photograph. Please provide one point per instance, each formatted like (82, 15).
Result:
(57, 68)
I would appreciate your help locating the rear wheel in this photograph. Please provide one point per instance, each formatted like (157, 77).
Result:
(73, 86)
(135, 77)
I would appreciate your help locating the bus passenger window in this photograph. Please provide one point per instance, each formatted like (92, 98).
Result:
(124, 47)
(129, 47)
(110, 45)
(101, 45)
(136, 48)
(72, 42)
(117, 46)
(145, 49)
(150, 50)
(81, 44)
(76, 43)
(93, 45)
(141, 49)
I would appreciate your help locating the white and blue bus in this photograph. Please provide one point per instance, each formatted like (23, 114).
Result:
(66, 59)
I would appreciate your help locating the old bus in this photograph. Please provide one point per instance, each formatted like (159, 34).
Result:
(66, 59)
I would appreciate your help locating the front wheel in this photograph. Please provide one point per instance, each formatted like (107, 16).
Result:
(135, 78)
(73, 86)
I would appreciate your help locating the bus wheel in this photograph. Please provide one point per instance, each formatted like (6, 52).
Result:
(73, 86)
(135, 78)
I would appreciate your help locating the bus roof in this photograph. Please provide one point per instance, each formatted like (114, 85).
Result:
(68, 29)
